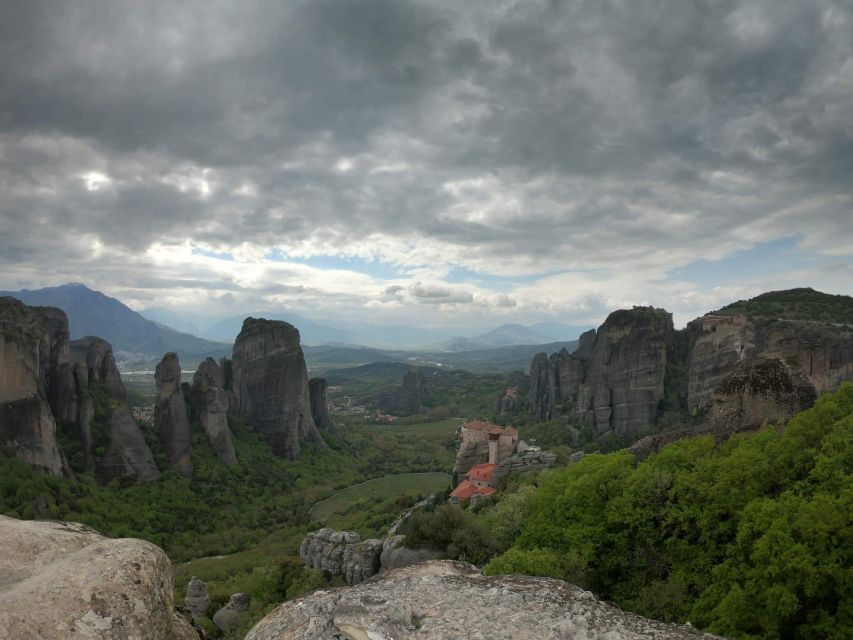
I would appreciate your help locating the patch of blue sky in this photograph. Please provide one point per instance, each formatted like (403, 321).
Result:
(198, 251)
(374, 268)
(762, 260)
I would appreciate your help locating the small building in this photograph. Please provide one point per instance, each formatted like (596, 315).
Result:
(478, 483)
(502, 440)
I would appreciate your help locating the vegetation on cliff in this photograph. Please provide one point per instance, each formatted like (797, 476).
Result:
(794, 304)
(751, 539)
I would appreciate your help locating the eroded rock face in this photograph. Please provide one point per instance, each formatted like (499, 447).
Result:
(271, 385)
(33, 349)
(341, 553)
(170, 414)
(525, 462)
(214, 401)
(395, 555)
(614, 381)
(62, 580)
(446, 600)
(761, 391)
(228, 617)
(198, 598)
(127, 453)
(720, 344)
(317, 388)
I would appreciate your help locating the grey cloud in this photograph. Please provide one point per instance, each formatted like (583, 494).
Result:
(435, 294)
(608, 133)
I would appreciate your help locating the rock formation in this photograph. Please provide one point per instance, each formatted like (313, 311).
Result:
(754, 394)
(395, 555)
(614, 381)
(170, 415)
(317, 388)
(63, 580)
(213, 403)
(510, 400)
(33, 345)
(719, 344)
(341, 553)
(198, 598)
(228, 617)
(271, 385)
(444, 599)
(127, 453)
(524, 461)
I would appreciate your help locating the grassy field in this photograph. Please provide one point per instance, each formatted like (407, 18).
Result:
(404, 484)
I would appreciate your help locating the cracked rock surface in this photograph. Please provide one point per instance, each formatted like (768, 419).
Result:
(444, 600)
(62, 580)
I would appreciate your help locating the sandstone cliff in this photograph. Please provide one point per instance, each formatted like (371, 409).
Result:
(213, 403)
(317, 388)
(63, 580)
(614, 380)
(33, 347)
(170, 415)
(445, 600)
(617, 378)
(271, 385)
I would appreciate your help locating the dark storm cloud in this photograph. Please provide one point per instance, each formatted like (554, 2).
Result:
(495, 135)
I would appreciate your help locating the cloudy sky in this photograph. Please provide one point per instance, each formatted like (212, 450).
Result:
(432, 162)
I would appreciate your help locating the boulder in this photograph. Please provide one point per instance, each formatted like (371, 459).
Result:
(198, 599)
(212, 404)
(525, 462)
(170, 415)
(228, 617)
(271, 385)
(341, 553)
(444, 600)
(62, 580)
(395, 555)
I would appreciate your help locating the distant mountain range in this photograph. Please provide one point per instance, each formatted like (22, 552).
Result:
(91, 313)
(510, 346)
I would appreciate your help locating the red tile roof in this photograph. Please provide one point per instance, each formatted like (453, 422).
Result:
(484, 472)
(466, 489)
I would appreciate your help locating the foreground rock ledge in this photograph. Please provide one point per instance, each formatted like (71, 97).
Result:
(446, 600)
(62, 580)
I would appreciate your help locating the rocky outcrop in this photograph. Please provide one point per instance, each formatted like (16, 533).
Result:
(34, 369)
(213, 402)
(317, 388)
(720, 344)
(198, 598)
(62, 580)
(127, 453)
(395, 555)
(228, 617)
(410, 397)
(271, 385)
(754, 394)
(759, 392)
(510, 401)
(614, 380)
(525, 461)
(96, 354)
(470, 454)
(444, 599)
(341, 553)
(170, 415)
